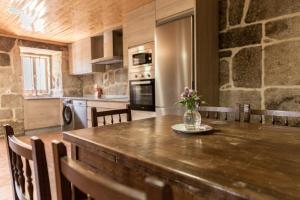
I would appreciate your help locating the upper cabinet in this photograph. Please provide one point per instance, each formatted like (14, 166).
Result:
(138, 28)
(93, 54)
(167, 8)
(80, 57)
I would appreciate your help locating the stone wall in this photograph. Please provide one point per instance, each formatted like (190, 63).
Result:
(259, 49)
(11, 80)
(113, 81)
(11, 88)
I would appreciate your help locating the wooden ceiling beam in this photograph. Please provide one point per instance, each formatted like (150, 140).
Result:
(33, 39)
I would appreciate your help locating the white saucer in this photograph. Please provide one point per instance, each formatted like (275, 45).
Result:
(180, 128)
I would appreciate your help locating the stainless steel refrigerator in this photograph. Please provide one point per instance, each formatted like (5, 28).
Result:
(174, 63)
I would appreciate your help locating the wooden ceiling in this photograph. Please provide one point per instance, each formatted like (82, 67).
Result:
(62, 20)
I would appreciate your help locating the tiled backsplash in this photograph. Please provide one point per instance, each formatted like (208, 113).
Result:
(113, 82)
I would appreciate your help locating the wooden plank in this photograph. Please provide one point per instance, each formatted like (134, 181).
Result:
(207, 56)
(63, 21)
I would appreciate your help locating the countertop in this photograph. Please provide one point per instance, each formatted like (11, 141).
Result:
(236, 161)
(41, 98)
(111, 98)
(105, 98)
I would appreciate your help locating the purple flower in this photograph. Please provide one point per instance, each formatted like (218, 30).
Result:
(186, 90)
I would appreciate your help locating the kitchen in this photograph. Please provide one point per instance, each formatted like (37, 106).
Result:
(112, 62)
(67, 68)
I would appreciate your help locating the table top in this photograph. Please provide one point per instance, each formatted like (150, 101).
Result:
(247, 160)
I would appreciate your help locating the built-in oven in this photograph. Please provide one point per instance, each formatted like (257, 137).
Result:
(141, 77)
(142, 94)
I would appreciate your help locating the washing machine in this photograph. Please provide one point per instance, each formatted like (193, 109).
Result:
(68, 115)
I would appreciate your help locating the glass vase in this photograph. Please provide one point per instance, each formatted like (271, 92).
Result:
(192, 119)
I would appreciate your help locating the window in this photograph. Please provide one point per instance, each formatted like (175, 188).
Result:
(36, 70)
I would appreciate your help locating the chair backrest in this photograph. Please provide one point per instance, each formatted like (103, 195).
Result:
(218, 111)
(71, 173)
(111, 113)
(272, 113)
(20, 153)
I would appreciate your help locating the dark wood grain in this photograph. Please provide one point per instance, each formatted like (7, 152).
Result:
(69, 171)
(17, 151)
(275, 115)
(207, 56)
(111, 113)
(236, 161)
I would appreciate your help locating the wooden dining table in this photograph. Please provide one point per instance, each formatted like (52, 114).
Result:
(234, 161)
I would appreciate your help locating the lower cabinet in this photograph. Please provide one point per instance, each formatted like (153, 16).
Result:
(42, 113)
(104, 106)
(137, 115)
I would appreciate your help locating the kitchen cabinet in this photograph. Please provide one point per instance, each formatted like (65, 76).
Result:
(42, 113)
(80, 58)
(167, 8)
(138, 28)
(138, 114)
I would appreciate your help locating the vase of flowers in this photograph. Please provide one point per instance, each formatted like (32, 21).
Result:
(191, 100)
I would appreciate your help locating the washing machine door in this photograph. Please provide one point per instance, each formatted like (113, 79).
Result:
(67, 114)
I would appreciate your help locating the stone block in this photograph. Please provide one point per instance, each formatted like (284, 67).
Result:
(98, 77)
(11, 101)
(4, 59)
(122, 89)
(282, 63)
(236, 11)
(17, 126)
(242, 36)
(121, 75)
(5, 81)
(283, 28)
(72, 92)
(225, 54)
(246, 68)
(222, 14)
(282, 99)
(224, 72)
(111, 77)
(6, 114)
(231, 97)
(16, 87)
(266, 9)
(6, 44)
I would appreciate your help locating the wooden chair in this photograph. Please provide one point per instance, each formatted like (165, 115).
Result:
(274, 114)
(218, 111)
(69, 172)
(18, 153)
(110, 113)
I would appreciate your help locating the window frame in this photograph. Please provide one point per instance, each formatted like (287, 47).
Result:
(35, 91)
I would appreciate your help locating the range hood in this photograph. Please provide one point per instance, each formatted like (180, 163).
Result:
(107, 49)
